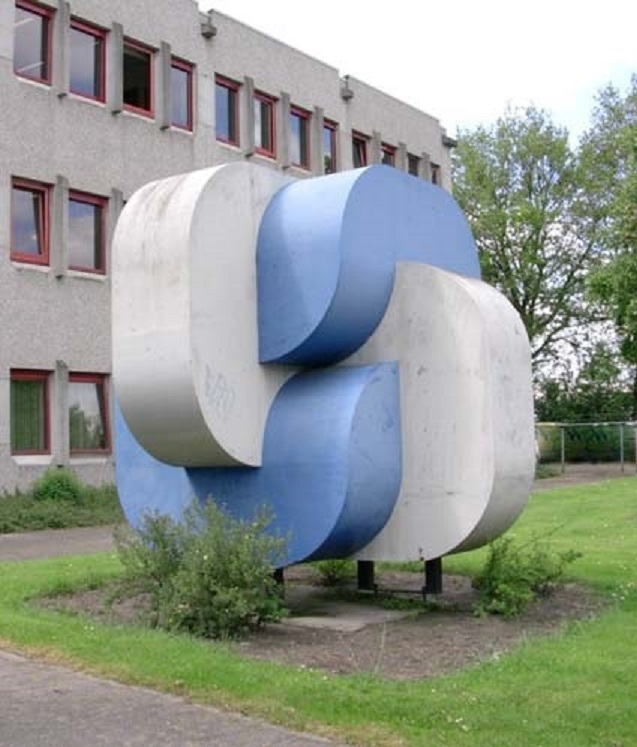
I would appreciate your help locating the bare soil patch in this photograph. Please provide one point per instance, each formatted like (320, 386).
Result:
(434, 639)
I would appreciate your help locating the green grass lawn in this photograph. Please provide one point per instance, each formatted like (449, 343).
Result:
(572, 690)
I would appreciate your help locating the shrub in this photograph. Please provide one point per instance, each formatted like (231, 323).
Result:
(335, 572)
(210, 575)
(58, 485)
(513, 576)
(21, 513)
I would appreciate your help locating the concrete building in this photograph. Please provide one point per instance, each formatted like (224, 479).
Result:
(99, 98)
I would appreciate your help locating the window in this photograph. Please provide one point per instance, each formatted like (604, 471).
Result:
(264, 140)
(138, 78)
(389, 155)
(329, 148)
(300, 138)
(29, 412)
(227, 110)
(413, 164)
(32, 41)
(181, 94)
(435, 173)
(88, 414)
(87, 60)
(86, 232)
(29, 222)
(359, 151)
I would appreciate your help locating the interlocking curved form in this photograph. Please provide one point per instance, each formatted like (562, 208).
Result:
(326, 348)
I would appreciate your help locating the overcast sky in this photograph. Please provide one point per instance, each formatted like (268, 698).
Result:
(463, 61)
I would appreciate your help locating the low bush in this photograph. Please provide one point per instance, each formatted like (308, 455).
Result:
(336, 572)
(21, 513)
(58, 485)
(210, 575)
(546, 471)
(513, 576)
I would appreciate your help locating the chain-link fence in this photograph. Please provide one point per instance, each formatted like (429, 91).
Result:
(564, 443)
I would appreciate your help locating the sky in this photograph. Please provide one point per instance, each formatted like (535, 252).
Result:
(464, 61)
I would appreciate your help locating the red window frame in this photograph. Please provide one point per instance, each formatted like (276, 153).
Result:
(101, 203)
(270, 150)
(388, 154)
(100, 35)
(304, 118)
(332, 127)
(102, 381)
(27, 185)
(47, 14)
(360, 141)
(234, 87)
(187, 67)
(21, 374)
(150, 53)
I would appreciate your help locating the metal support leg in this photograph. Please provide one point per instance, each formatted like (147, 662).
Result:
(366, 575)
(433, 577)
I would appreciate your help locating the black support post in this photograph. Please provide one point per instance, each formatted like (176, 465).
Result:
(433, 577)
(365, 570)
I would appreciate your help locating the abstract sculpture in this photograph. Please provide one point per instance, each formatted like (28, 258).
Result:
(326, 348)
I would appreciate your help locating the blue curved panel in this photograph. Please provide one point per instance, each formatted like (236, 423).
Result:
(144, 484)
(331, 465)
(327, 253)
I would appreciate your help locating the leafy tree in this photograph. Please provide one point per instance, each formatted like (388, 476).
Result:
(518, 183)
(609, 158)
(596, 393)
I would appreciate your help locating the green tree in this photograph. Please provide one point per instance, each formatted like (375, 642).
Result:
(518, 183)
(609, 159)
(596, 393)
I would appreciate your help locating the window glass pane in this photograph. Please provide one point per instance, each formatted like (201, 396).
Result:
(224, 112)
(413, 164)
(388, 157)
(263, 125)
(85, 235)
(137, 78)
(295, 139)
(86, 416)
(31, 37)
(28, 416)
(329, 166)
(86, 64)
(299, 151)
(180, 95)
(27, 224)
(359, 153)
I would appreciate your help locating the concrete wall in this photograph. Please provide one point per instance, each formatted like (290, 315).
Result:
(58, 320)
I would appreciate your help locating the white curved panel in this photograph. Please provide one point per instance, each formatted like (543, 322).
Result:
(185, 333)
(467, 413)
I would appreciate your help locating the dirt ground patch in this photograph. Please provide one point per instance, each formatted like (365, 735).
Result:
(431, 640)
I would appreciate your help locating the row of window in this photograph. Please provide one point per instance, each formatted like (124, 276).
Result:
(31, 226)
(31, 413)
(87, 63)
(228, 131)
(227, 126)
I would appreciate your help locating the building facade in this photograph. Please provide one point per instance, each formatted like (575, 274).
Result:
(96, 100)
